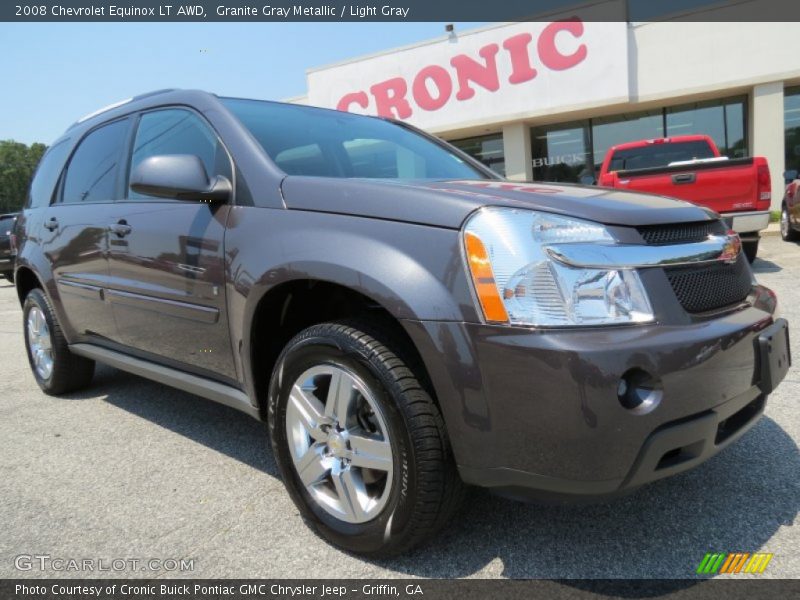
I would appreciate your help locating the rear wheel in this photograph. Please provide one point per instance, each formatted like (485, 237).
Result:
(55, 368)
(360, 444)
(9, 276)
(787, 233)
(750, 249)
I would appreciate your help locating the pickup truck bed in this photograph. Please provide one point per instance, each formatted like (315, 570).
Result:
(738, 189)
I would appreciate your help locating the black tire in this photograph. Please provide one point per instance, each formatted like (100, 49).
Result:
(9, 277)
(750, 249)
(427, 489)
(787, 232)
(70, 372)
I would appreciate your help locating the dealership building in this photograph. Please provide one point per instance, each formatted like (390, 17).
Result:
(545, 100)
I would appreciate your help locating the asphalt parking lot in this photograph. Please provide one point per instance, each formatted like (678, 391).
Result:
(131, 468)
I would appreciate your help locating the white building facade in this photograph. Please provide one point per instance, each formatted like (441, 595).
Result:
(545, 100)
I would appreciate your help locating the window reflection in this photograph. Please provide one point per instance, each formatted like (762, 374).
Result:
(486, 148)
(722, 120)
(574, 151)
(791, 125)
(562, 152)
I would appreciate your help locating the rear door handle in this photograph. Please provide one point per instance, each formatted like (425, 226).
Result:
(683, 178)
(51, 224)
(121, 228)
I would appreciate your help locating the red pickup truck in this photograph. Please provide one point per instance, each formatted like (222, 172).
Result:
(690, 167)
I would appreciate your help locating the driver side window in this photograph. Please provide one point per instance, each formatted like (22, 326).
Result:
(177, 131)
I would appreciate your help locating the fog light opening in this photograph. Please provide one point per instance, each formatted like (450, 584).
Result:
(639, 391)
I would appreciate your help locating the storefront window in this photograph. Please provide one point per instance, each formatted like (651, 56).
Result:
(791, 125)
(562, 152)
(610, 131)
(722, 120)
(575, 151)
(487, 148)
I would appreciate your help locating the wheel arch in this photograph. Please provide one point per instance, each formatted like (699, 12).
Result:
(285, 309)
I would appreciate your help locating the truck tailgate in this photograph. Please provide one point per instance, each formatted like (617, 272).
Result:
(723, 186)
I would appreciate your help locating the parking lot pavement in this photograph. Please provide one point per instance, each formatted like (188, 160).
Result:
(133, 469)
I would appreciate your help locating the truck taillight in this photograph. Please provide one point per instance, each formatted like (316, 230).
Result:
(13, 239)
(764, 192)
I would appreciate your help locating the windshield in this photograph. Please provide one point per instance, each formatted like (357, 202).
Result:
(303, 140)
(659, 155)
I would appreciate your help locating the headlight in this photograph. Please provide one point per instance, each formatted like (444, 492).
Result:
(517, 282)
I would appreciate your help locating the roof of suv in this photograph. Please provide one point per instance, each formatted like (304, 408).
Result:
(196, 98)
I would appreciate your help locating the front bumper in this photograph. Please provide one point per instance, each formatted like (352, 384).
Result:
(747, 222)
(537, 410)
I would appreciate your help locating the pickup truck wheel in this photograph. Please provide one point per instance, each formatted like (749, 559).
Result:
(750, 250)
(360, 444)
(9, 277)
(787, 233)
(55, 368)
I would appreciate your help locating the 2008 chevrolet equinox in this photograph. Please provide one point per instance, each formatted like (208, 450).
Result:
(403, 319)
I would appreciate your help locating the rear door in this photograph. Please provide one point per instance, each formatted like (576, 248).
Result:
(167, 257)
(74, 229)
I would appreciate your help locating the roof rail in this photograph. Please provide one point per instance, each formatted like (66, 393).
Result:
(120, 103)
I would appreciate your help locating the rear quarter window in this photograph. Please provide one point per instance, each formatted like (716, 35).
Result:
(46, 175)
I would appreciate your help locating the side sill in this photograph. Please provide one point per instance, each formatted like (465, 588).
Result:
(211, 390)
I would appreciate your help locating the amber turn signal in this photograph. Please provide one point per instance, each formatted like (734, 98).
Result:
(483, 277)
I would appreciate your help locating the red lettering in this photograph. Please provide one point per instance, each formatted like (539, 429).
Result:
(390, 98)
(549, 53)
(348, 100)
(441, 79)
(521, 68)
(469, 70)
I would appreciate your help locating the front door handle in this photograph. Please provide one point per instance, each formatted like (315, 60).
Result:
(51, 224)
(121, 228)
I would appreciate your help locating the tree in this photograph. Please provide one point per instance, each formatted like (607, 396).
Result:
(17, 164)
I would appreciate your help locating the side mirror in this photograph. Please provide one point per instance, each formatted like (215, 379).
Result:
(179, 176)
(790, 175)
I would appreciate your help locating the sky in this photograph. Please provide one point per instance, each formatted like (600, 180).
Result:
(54, 73)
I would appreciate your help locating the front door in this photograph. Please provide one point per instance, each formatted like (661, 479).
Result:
(167, 258)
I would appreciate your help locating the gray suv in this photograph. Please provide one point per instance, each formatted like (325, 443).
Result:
(404, 320)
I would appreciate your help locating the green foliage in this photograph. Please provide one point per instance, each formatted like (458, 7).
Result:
(17, 164)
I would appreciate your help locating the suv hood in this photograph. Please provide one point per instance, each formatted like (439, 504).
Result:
(448, 203)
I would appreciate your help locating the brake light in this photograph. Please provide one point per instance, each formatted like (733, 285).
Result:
(13, 240)
(764, 189)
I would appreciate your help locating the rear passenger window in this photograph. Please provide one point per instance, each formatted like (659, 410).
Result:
(93, 169)
(178, 131)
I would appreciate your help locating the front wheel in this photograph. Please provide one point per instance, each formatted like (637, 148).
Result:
(359, 442)
(750, 249)
(787, 233)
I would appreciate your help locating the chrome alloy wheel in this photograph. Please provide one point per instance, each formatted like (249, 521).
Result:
(40, 343)
(339, 443)
(785, 223)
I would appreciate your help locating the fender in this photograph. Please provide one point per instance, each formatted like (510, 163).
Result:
(415, 272)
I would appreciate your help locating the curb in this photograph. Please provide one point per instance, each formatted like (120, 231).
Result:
(772, 229)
